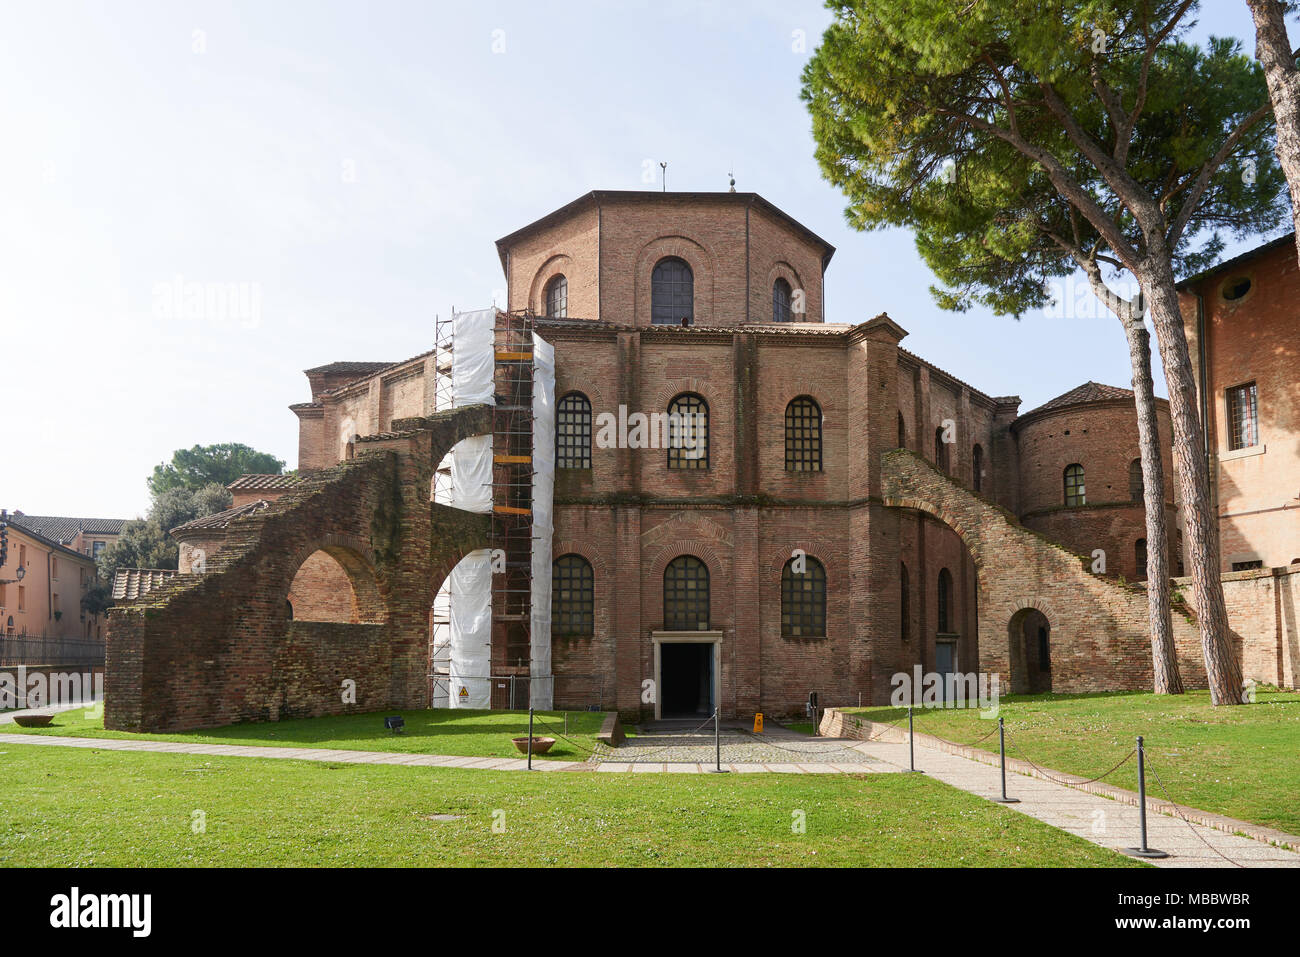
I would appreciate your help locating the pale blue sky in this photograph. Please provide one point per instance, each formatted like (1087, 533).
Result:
(351, 164)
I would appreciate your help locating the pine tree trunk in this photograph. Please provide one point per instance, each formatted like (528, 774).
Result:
(1164, 659)
(1273, 50)
(1222, 669)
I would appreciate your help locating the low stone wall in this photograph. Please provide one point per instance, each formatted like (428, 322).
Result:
(1264, 614)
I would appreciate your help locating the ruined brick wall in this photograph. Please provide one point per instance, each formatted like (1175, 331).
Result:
(1264, 615)
(322, 591)
(219, 648)
(1099, 628)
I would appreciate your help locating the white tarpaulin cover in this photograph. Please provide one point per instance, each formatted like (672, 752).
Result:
(542, 683)
(469, 602)
(471, 631)
(473, 366)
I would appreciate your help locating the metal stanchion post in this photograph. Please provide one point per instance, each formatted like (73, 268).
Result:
(530, 737)
(911, 746)
(1002, 750)
(1143, 851)
(717, 742)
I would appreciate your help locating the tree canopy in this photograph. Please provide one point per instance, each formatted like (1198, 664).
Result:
(203, 465)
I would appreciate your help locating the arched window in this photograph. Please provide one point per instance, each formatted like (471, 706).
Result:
(1075, 493)
(977, 468)
(803, 599)
(557, 297)
(573, 596)
(1136, 488)
(686, 595)
(904, 603)
(902, 432)
(672, 293)
(1140, 558)
(945, 616)
(940, 450)
(781, 295)
(803, 435)
(688, 432)
(573, 432)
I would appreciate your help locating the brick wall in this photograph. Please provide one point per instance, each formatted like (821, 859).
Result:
(220, 648)
(1264, 615)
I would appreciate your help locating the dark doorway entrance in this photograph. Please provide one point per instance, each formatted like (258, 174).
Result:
(686, 679)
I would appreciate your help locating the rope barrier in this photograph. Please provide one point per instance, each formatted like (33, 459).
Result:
(1179, 813)
(1072, 784)
(667, 747)
(560, 734)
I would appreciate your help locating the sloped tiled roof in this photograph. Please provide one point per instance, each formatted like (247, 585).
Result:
(344, 368)
(1088, 392)
(63, 529)
(220, 520)
(132, 583)
(253, 481)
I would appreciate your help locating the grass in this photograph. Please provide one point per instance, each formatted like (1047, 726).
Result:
(801, 727)
(1240, 761)
(460, 732)
(64, 807)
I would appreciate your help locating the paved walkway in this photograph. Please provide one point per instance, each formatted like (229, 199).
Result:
(690, 750)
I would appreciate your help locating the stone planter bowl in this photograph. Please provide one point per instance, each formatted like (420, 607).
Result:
(42, 720)
(540, 745)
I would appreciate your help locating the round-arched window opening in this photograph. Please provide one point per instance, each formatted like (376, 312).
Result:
(1235, 288)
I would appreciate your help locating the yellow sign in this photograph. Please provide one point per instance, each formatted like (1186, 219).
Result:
(758, 723)
(464, 693)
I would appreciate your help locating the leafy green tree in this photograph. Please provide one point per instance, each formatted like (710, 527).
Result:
(205, 464)
(1022, 145)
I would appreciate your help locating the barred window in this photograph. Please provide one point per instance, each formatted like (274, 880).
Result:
(573, 432)
(1243, 416)
(672, 292)
(1075, 493)
(977, 468)
(557, 297)
(686, 595)
(803, 599)
(1136, 484)
(945, 602)
(803, 435)
(573, 596)
(688, 432)
(781, 295)
(904, 603)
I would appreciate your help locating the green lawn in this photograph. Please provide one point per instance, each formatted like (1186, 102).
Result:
(72, 807)
(1240, 761)
(460, 732)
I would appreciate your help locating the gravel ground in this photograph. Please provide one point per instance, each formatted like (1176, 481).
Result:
(774, 747)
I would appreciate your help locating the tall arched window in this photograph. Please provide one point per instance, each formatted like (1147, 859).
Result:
(672, 292)
(940, 450)
(781, 295)
(573, 432)
(977, 468)
(688, 432)
(557, 297)
(686, 594)
(1136, 484)
(803, 599)
(573, 596)
(1075, 493)
(902, 432)
(1140, 558)
(945, 617)
(803, 435)
(904, 603)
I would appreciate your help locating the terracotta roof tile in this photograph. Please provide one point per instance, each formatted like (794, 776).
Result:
(132, 583)
(272, 482)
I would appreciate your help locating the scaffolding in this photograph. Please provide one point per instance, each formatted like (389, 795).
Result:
(511, 517)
